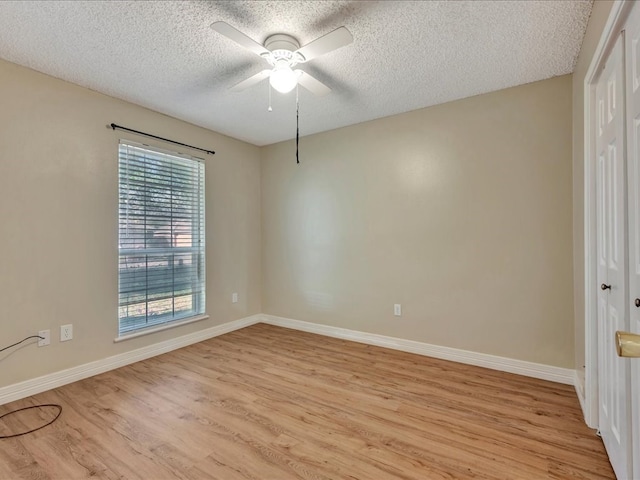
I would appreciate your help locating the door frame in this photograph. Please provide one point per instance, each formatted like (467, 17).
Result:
(617, 18)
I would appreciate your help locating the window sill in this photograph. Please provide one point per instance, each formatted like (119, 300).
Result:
(159, 328)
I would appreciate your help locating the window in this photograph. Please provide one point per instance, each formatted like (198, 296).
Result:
(161, 241)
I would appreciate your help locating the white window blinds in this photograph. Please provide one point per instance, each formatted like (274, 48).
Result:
(161, 274)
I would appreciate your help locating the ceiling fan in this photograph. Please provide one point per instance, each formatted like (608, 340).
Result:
(283, 53)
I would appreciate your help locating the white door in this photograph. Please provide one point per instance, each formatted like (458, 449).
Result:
(612, 260)
(632, 39)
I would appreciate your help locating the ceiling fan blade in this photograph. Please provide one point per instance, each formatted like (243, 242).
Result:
(251, 81)
(325, 44)
(239, 37)
(314, 86)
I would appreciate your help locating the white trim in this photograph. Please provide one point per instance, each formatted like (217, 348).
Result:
(579, 390)
(617, 17)
(159, 328)
(520, 367)
(57, 379)
(24, 389)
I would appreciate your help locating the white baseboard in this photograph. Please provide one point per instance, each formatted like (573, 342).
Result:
(580, 393)
(529, 369)
(24, 389)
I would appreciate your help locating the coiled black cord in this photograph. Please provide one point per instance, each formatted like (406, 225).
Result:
(54, 405)
(59, 407)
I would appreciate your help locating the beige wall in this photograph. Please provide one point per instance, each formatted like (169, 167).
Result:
(58, 212)
(460, 212)
(599, 15)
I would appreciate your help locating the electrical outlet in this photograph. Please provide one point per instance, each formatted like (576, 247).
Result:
(46, 338)
(397, 309)
(66, 332)
(234, 298)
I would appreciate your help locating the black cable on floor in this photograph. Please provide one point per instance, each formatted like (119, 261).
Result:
(54, 405)
(59, 407)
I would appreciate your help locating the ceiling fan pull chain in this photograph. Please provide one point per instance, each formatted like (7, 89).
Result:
(270, 109)
(297, 124)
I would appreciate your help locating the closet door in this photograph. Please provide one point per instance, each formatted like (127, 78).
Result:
(632, 36)
(612, 260)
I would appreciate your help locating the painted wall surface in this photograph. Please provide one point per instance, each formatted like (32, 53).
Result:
(599, 15)
(460, 212)
(59, 220)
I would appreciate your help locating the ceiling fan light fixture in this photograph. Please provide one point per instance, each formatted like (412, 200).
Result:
(283, 52)
(282, 78)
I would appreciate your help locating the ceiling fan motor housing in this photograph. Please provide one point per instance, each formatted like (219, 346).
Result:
(282, 47)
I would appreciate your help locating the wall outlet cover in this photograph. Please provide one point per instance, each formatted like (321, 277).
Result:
(66, 332)
(46, 338)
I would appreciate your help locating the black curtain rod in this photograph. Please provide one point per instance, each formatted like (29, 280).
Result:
(114, 126)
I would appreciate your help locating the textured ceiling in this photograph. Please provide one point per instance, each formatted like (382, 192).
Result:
(405, 55)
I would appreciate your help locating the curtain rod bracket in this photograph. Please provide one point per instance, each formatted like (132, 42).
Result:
(119, 127)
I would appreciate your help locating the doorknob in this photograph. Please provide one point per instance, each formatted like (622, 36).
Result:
(628, 344)
(605, 287)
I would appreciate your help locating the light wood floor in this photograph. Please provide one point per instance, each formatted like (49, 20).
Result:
(269, 403)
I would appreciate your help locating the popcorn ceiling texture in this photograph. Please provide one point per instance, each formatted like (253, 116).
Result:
(406, 55)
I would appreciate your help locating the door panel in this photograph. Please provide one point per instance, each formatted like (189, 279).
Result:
(612, 261)
(616, 215)
(613, 366)
(632, 36)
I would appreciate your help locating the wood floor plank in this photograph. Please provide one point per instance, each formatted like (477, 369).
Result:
(268, 403)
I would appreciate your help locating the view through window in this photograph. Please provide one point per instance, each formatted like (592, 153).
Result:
(161, 274)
